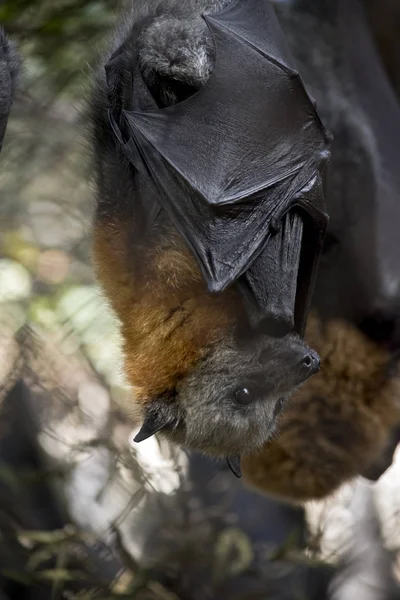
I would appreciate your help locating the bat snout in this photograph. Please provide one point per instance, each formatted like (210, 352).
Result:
(288, 363)
(294, 354)
(310, 363)
(302, 360)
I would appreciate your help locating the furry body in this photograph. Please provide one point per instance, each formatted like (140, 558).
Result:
(177, 336)
(167, 316)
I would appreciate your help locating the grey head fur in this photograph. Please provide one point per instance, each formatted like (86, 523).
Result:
(229, 403)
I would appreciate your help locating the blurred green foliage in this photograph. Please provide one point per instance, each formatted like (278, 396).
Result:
(46, 279)
(58, 38)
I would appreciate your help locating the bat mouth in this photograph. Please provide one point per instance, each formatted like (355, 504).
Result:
(279, 406)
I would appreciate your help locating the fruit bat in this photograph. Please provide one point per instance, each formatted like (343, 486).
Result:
(352, 275)
(359, 276)
(210, 218)
(239, 167)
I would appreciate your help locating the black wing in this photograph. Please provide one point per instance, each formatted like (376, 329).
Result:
(230, 161)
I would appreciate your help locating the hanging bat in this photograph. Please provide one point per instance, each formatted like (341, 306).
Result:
(362, 185)
(209, 167)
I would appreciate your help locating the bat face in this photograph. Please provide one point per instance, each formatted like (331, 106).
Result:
(228, 403)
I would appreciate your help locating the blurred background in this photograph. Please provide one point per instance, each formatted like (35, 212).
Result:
(82, 513)
(46, 204)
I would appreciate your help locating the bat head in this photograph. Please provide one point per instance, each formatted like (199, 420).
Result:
(229, 402)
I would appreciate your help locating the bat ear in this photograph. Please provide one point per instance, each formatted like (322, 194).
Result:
(234, 465)
(160, 413)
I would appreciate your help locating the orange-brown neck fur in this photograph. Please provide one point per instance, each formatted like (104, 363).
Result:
(168, 318)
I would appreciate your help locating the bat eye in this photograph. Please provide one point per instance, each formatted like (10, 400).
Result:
(243, 396)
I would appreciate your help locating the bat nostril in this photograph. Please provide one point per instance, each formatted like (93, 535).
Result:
(311, 362)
